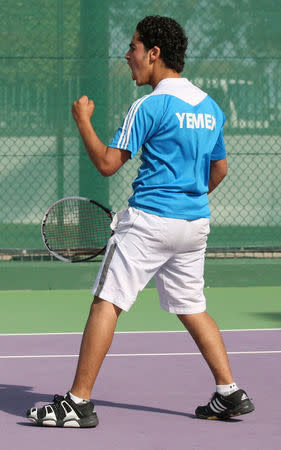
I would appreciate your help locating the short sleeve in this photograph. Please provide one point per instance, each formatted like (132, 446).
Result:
(137, 127)
(219, 148)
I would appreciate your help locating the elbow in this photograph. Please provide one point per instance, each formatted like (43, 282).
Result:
(218, 172)
(111, 161)
(222, 169)
(225, 169)
(106, 170)
(224, 173)
(105, 173)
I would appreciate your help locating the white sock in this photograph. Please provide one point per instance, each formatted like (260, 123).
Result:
(77, 400)
(226, 389)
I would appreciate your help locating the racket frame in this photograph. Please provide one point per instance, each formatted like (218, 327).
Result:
(108, 211)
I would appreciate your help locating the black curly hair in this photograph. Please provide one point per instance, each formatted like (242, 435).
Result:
(166, 34)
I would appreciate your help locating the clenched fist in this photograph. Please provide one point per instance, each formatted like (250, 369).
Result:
(83, 109)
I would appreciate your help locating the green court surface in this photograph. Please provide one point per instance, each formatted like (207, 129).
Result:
(53, 275)
(53, 297)
(66, 311)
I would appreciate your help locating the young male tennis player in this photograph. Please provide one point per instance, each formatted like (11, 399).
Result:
(163, 232)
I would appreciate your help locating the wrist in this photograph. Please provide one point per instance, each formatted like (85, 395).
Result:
(83, 121)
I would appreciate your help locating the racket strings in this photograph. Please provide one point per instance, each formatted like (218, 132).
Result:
(75, 229)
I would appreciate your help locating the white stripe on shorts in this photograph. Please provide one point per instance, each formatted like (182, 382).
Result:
(170, 250)
(105, 269)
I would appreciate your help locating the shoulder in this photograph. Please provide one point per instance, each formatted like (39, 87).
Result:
(137, 103)
(148, 100)
(211, 103)
(148, 104)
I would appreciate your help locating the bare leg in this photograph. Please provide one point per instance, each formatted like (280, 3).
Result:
(97, 338)
(207, 336)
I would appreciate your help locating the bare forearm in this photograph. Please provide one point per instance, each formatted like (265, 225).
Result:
(106, 159)
(94, 146)
(213, 183)
(218, 171)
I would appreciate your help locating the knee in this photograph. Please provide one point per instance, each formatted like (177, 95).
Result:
(99, 304)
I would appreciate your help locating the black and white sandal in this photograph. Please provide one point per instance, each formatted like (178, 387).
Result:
(64, 412)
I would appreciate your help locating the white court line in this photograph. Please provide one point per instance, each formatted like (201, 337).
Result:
(134, 332)
(255, 352)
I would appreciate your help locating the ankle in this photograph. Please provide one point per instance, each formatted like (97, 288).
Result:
(226, 389)
(76, 399)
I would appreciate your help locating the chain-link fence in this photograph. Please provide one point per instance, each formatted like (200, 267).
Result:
(53, 51)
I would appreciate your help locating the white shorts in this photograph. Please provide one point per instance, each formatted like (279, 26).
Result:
(144, 246)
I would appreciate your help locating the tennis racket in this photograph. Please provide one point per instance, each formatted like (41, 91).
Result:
(76, 229)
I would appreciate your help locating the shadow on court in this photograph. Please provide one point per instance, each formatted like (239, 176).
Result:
(16, 400)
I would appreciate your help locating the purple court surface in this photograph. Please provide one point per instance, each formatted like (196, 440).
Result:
(146, 392)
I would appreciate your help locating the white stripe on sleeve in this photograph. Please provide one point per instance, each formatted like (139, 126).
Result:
(128, 123)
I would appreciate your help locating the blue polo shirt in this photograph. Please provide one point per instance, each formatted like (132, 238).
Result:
(180, 130)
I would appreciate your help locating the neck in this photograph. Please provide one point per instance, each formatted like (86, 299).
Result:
(161, 75)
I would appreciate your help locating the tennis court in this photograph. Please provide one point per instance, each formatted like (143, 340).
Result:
(153, 377)
(51, 53)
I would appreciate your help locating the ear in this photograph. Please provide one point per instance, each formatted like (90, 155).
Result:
(155, 53)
